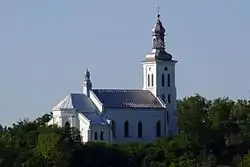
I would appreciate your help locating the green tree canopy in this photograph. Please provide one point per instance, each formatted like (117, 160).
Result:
(212, 133)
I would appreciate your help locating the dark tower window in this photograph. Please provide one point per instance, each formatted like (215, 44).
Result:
(168, 80)
(158, 129)
(148, 80)
(163, 98)
(113, 128)
(101, 136)
(95, 135)
(169, 98)
(162, 80)
(166, 68)
(67, 125)
(152, 79)
(126, 129)
(140, 129)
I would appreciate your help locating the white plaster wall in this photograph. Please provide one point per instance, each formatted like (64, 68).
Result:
(60, 117)
(79, 121)
(96, 101)
(84, 126)
(171, 107)
(146, 71)
(57, 118)
(107, 138)
(69, 116)
(158, 68)
(148, 118)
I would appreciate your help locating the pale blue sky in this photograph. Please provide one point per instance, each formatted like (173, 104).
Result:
(45, 47)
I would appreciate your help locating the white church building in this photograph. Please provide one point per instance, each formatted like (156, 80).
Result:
(126, 115)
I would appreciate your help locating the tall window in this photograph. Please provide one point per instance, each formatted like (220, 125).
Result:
(163, 98)
(148, 80)
(162, 80)
(113, 127)
(158, 129)
(168, 80)
(154, 43)
(167, 118)
(101, 136)
(152, 79)
(95, 135)
(169, 98)
(140, 129)
(126, 129)
(67, 125)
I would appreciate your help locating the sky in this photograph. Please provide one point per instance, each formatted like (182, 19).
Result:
(46, 46)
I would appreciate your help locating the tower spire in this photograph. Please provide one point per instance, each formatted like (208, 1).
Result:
(158, 39)
(158, 33)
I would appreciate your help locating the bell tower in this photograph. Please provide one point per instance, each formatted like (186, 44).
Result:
(159, 74)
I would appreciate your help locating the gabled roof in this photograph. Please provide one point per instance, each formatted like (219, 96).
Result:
(95, 119)
(127, 98)
(85, 106)
(76, 101)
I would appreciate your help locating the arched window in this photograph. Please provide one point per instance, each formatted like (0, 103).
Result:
(148, 80)
(154, 43)
(162, 80)
(152, 79)
(169, 98)
(167, 118)
(67, 125)
(101, 136)
(163, 98)
(96, 135)
(126, 129)
(168, 80)
(113, 127)
(158, 129)
(140, 129)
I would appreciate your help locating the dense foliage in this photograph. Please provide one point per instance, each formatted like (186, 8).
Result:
(212, 133)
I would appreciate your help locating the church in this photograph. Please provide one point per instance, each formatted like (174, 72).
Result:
(126, 115)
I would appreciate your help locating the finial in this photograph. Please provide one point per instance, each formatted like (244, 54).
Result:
(158, 11)
(87, 75)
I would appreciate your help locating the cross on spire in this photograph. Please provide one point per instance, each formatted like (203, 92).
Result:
(158, 10)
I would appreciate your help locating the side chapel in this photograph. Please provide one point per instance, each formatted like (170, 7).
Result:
(126, 115)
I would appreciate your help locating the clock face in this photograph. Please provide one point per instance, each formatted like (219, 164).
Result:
(149, 69)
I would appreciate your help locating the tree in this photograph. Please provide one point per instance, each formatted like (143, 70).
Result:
(212, 132)
(48, 149)
(245, 160)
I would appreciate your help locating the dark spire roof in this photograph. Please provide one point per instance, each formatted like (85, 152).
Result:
(158, 41)
(158, 27)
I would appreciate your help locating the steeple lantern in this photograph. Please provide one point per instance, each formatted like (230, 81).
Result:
(158, 41)
(87, 84)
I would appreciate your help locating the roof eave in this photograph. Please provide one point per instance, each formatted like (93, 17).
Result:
(145, 108)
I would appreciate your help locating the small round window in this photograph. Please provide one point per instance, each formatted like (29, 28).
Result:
(166, 68)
